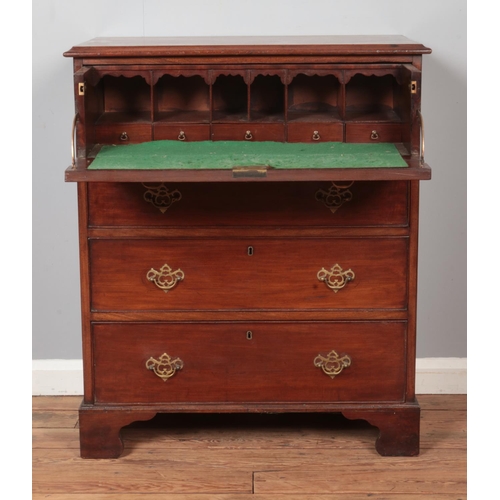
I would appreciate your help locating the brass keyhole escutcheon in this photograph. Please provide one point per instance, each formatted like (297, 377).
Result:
(250, 250)
(249, 335)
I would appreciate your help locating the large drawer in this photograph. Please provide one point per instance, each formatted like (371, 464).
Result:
(248, 274)
(261, 362)
(250, 204)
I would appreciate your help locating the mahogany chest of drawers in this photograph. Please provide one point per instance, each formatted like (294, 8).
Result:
(249, 289)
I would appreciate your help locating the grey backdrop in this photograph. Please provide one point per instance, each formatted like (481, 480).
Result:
(441, 25)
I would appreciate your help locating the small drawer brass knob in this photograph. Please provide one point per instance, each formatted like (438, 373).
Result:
(374, 135)
(316, 136)
(124, 136)
(165, 279)
(248, 135)
(181, 136)
(332, 364)
(164, 367)
(336, 278)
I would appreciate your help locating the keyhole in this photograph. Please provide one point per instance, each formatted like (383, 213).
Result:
(249, 335)
(250, 251)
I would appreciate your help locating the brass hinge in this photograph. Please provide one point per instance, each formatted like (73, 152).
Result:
(81, 88)
(413, 87)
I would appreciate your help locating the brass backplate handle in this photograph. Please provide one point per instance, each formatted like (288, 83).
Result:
(164, 367)
(165, 279)
(336, 196)
(332, 364)
(160, 196)
(336, 278)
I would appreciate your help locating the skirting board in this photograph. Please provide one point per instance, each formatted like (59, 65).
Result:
(61, 377)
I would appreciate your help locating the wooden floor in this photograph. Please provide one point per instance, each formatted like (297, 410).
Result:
(250, 457)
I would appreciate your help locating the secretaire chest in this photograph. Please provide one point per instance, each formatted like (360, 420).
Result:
(248, 217)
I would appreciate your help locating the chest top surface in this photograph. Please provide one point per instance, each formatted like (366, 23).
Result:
(222, 45)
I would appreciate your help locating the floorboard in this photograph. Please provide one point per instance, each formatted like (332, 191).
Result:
(250, 457)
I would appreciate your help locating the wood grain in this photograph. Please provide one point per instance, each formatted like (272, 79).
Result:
(354, 478)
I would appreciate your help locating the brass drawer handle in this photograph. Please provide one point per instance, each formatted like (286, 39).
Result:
(165, 278)
(164, 367)
(124, 136)
(374, 135)
(160, 196)
(422, 137)
(336, 278)
(336, 195)
(332, 364)
(316, 136)
(181, 136)
(248, 135)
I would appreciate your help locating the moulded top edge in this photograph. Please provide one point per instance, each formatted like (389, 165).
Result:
(249, 45)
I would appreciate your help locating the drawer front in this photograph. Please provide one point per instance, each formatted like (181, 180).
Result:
(181, 132)
(373, 132)
(248, 132)
(123, 134)
(249, 204)
(264, 362)
(248, 274)
(315, 132)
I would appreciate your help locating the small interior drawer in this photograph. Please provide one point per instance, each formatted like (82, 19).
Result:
(248, 132)
(128, 133)
(315, 132)
(373, 132)
(181, 132)
(245, 362)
